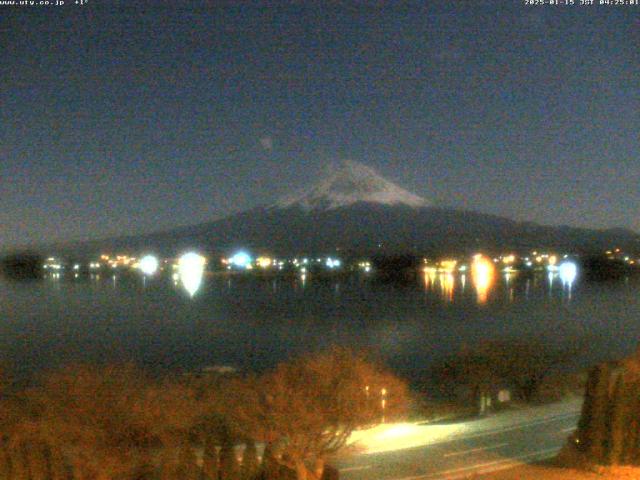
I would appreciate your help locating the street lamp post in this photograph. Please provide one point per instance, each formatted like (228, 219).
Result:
(383, 402)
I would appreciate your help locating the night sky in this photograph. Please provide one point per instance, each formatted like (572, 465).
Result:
(123, 117)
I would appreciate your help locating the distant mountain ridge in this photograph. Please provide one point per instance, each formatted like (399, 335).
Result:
(354, 209)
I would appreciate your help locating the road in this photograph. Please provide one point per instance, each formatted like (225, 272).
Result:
(459, 450)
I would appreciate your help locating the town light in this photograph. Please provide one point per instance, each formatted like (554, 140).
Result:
(568, 272)
(264, 262)
(509, 259)
(149, 265)
(448, 266)
(383, 402)
(333, 262)
(241, 259)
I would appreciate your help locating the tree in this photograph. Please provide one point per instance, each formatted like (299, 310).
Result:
(269, 468)
(117, 423)
(608, 430)
(396, 268)
(309, 407)
(187, 466)
(210, 460)
(250, 463)
(22, 266)
(101, 423)
(229, 469)
(5, 461)
(521, 364)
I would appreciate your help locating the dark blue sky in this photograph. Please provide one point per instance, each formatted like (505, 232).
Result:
(118, 118)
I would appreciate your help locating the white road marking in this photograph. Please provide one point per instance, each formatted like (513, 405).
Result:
(482, 468)
(567, 430)
(495, 430)
(478, 449)
(355, 469)
(496, 465)
(498, 462)
(496, 468)
(517, 426)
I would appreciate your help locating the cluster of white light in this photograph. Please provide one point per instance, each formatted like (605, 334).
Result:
(149, 265)
(366, 266)
(333, 262)
(568, 272)
(241, 259)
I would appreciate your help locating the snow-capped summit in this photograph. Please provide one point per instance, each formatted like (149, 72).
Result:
(348, 183)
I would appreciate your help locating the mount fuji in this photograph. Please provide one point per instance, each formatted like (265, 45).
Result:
(350, 183)
(353, 209)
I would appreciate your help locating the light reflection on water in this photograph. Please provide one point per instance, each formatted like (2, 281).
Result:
(483, 275)
(191, 271)
(485, 279)
(254, 322)
(486, 283)
(447, 286)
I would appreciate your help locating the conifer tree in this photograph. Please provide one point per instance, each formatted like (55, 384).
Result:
(249, 467)
(187, 466)
(229, 468)
(608, 428)
(210, 461)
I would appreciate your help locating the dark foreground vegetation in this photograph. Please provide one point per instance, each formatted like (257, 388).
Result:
(118, 423)
(92, 422)
(530, 370)
(21, 266)
(609, 428)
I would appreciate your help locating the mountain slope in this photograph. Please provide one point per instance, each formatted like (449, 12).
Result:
(366, 228)
(353, 209)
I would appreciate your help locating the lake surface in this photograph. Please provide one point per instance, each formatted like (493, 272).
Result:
(252, 323)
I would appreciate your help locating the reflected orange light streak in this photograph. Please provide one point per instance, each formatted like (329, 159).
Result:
(447, 283)
(483, 276)
(429, 277)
